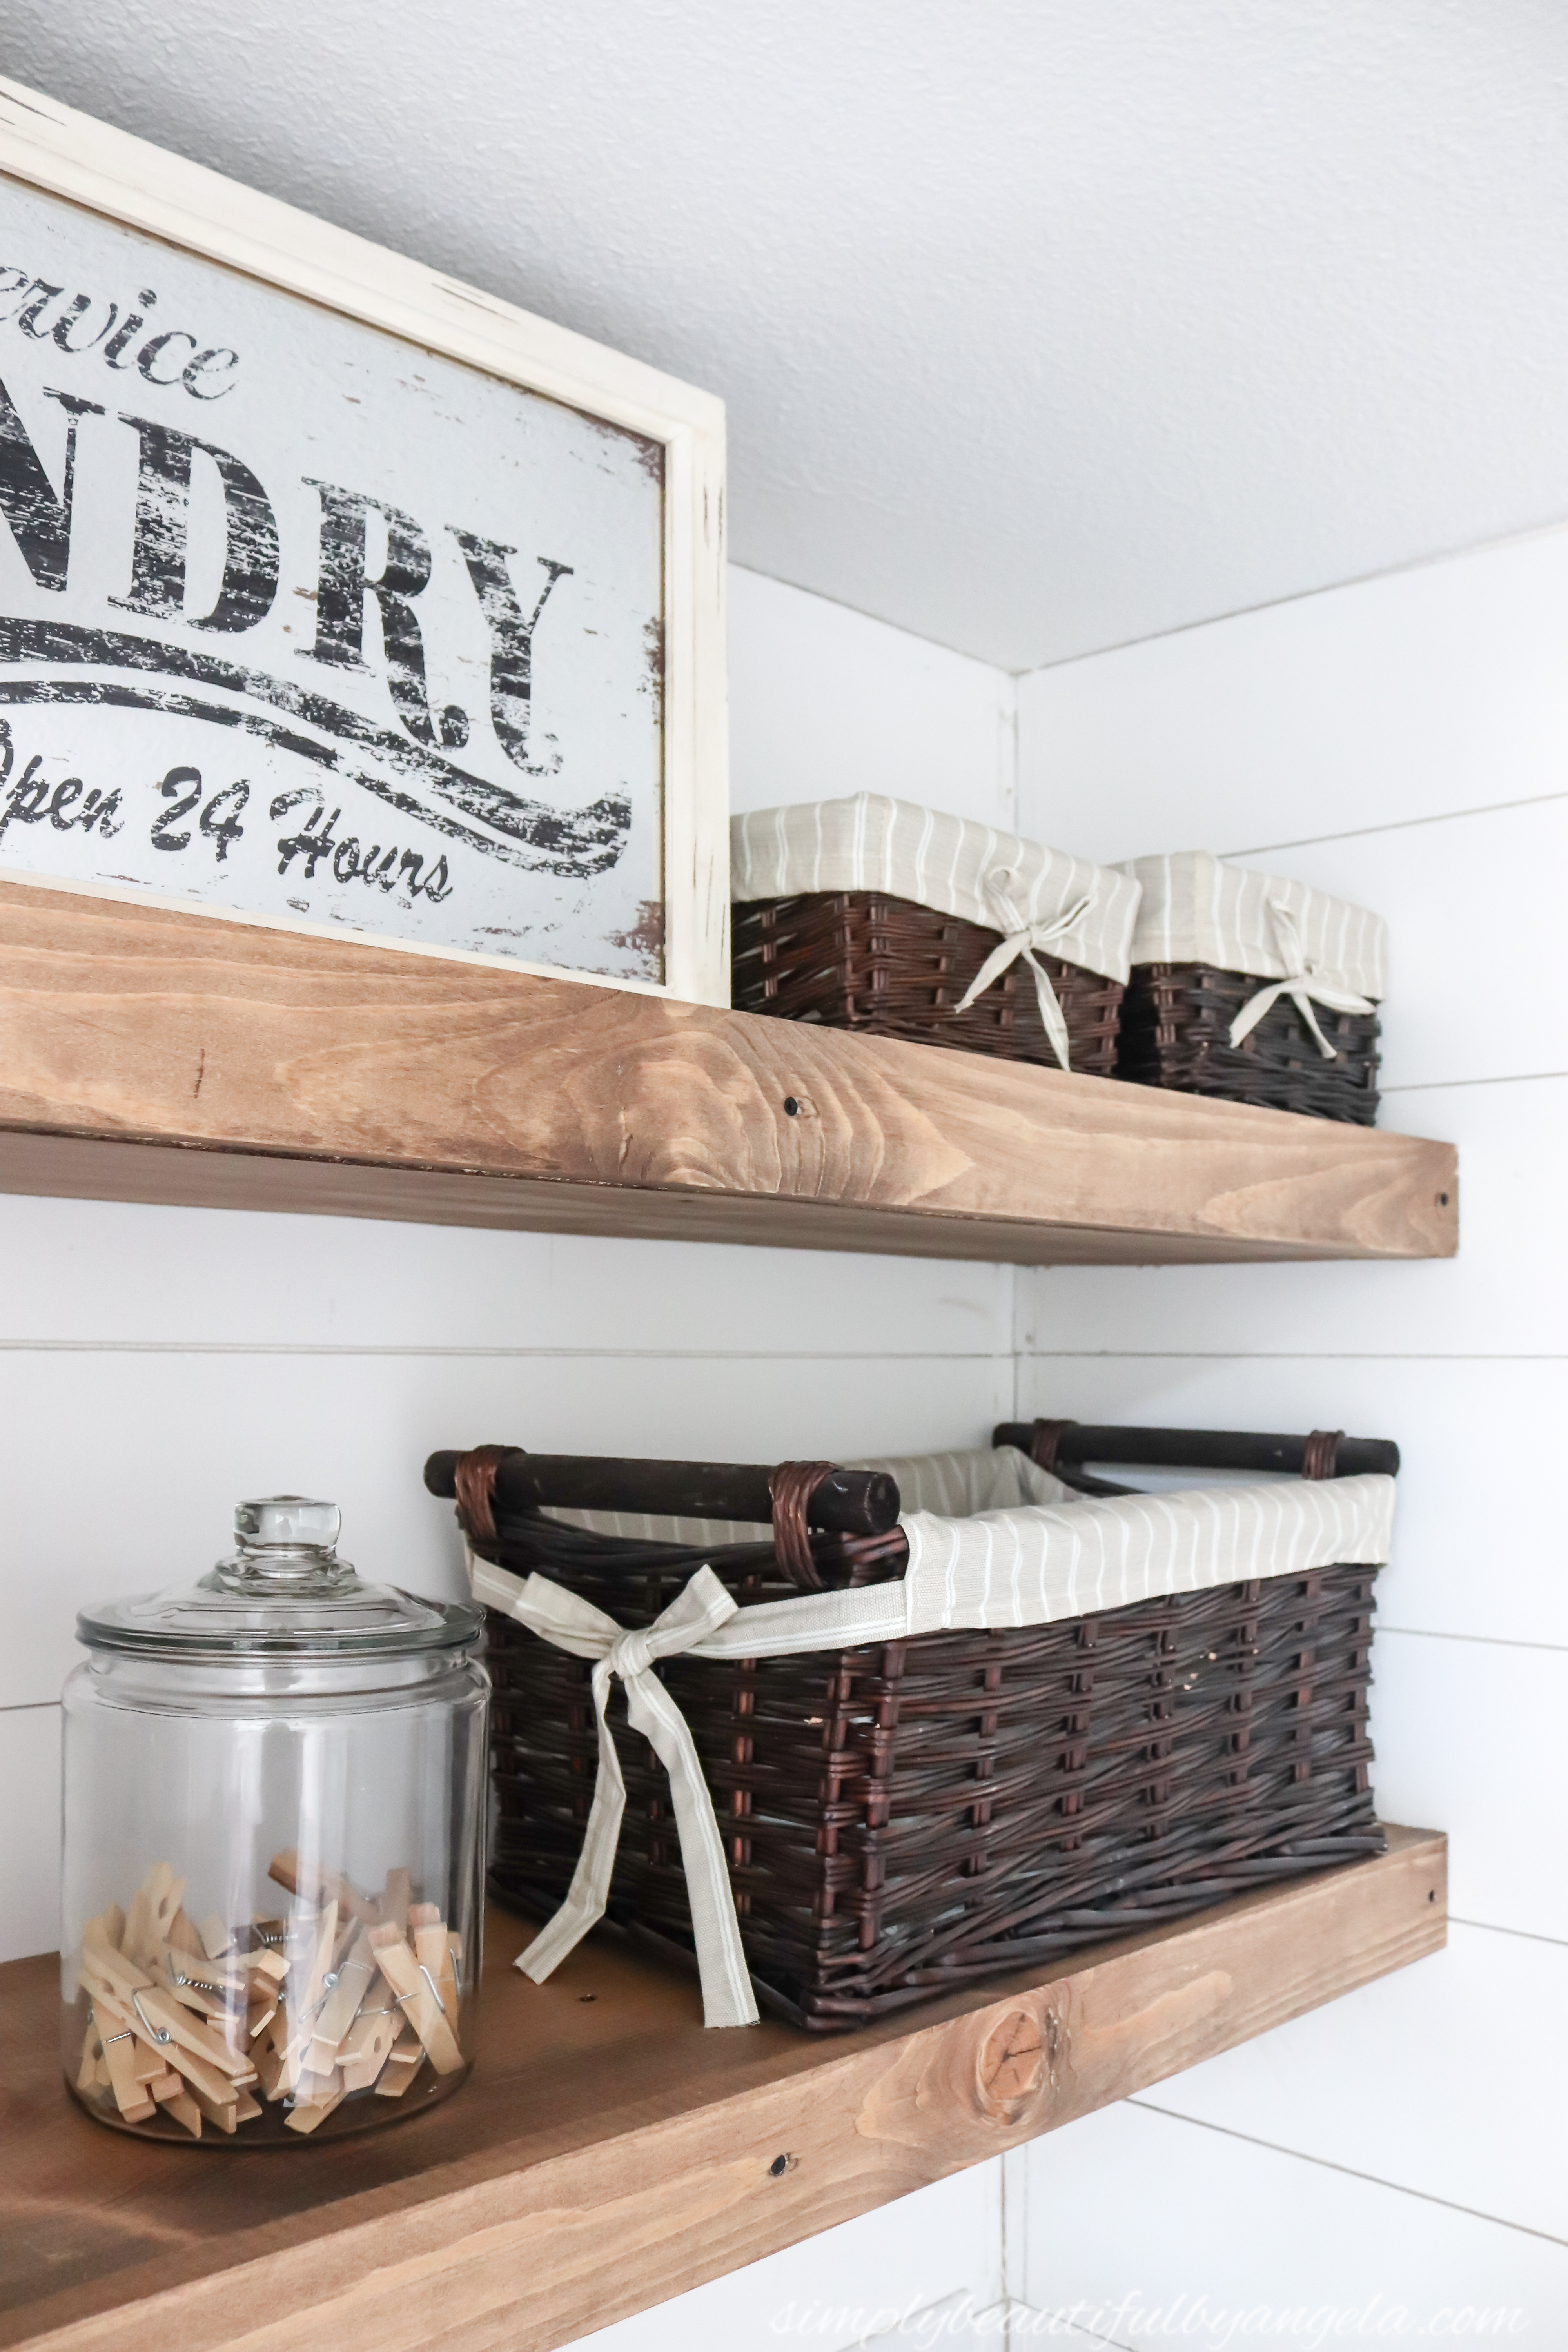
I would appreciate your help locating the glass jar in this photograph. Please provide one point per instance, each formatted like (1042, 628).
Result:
(274, 1847)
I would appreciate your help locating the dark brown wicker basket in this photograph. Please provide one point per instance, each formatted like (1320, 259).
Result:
(904, 1818)
(1175, 1032)
(858, 960)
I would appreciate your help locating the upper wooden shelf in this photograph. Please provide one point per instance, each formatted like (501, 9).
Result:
(609, 2152)
(153, 1056)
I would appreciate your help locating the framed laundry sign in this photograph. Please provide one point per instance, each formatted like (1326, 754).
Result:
(336, 594)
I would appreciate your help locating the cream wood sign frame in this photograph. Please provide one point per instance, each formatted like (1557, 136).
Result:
(211, 627)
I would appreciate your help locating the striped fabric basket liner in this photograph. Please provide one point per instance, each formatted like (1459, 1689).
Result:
(1252, 988)
(1020, 1721)
(875, 914)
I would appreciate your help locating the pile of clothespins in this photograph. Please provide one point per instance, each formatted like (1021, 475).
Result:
(343, 1994)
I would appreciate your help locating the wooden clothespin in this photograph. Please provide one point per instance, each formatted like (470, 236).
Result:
(355, 1973)
(152, 1912)
(417, 1995)
(305, 2116)
(396, 1896)
(369, 2043)
(185, 1936)
(433, 1950)
(217, 1937)
(403, 2060)
(314, 1884)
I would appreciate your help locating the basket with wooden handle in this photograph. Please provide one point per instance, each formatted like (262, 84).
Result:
(905, 1814)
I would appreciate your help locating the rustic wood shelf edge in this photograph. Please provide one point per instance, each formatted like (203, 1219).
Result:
(147, 1055)
(610, 2153)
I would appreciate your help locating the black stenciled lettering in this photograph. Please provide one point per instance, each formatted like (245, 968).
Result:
(202, 364)
(163, 838)
(65, 798)
(220, 818)
(40, 522)
(341, 580)
(100, 814)
(162, 521)
(153, 345)
(127, 335)
(30, 800)
(27, 802)
(250, 568)
(343, 585)
(512, 636)
(314, 840)
(433, 885)
(79, 310)
(206, 376)
(28, 317)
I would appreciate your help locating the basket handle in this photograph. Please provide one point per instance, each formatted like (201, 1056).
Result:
(791, 1487)
(1063, 1447)
(1044, 1445)
(843, 1502)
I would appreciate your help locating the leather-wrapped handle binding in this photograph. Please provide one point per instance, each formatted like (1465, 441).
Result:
(1063, 1446)
(840, 1502)
(792, 1488)
(474, 1489)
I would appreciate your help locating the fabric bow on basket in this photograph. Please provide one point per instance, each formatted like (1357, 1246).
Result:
(1303, 984)
(573, 1624)
(1023, 938)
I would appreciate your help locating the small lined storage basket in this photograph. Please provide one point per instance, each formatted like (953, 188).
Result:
(877, 915)
(1003, 1774)
(1253, 989)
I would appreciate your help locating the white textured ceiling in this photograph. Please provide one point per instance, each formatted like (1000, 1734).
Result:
(1044, 324)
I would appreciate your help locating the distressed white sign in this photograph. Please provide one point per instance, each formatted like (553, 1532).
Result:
(301, 621)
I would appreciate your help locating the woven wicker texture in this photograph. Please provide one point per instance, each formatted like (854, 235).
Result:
(1175, 1032)
(854, 960)
(907, 1818)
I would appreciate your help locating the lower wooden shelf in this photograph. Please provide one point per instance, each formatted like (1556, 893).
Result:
(609, 2152)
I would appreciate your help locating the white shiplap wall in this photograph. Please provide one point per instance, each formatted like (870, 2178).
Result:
(1404, 743)
(157, 1364)
(1400, 2145)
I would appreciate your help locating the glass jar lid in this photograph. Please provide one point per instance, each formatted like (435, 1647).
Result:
(284, 1591)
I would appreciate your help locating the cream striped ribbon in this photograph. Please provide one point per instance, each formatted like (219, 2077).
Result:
(1021, 939)
(573, 1624)
(1302, 984)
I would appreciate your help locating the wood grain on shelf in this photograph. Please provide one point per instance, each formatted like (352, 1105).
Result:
(153, 1055)
(609, 2152)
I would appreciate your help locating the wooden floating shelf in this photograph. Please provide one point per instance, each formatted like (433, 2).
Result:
(148, 1054)
(609, 2152)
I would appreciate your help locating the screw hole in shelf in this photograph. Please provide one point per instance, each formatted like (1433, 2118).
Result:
(791, 1108)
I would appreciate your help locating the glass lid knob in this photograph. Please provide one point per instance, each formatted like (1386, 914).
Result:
(287, 1523)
